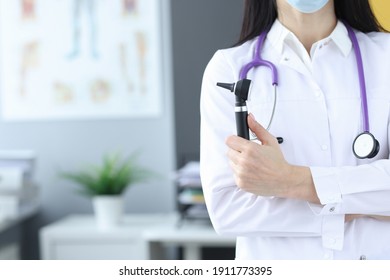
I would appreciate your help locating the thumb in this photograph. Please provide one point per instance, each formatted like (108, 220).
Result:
(262, 134)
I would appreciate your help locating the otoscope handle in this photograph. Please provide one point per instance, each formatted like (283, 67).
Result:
(241, 90)
(242, 124)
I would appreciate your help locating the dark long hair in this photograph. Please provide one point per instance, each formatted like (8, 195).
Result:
(260, 14)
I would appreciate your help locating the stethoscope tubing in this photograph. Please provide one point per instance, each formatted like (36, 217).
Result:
(259, 61)
(362, 83)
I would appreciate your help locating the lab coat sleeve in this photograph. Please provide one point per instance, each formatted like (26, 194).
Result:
(233, 211)
(363, 189)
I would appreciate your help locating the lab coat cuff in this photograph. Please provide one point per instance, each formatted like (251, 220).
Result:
(325, 210)
(327, 188)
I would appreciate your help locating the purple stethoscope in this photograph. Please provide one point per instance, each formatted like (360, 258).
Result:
(364, 146)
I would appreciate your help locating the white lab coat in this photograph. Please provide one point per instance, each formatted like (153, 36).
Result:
(318, 114)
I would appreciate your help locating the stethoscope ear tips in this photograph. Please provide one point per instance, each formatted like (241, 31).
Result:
(365, 146)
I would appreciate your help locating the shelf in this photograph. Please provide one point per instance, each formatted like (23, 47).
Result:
(190, 186)
(26, 211)
(190, 198)
(19, 196)
(198, 211)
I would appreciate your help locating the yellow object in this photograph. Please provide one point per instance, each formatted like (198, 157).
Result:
(381, 9)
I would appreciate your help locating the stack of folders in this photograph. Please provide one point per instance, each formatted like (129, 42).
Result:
(18, 192)
(189, 175)
(191, 194)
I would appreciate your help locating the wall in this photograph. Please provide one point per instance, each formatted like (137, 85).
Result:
(382, 11)
(66, 145)
(199, 28)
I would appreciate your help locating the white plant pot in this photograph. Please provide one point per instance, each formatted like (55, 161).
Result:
(108, 211)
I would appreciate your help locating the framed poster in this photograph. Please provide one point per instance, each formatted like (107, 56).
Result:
(80, 59)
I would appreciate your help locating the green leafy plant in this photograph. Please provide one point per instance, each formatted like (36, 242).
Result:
(112, 177)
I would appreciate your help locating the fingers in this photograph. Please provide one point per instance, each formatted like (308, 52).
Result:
(236, 143)
(234, 156)
(239, 144)
(262, 134)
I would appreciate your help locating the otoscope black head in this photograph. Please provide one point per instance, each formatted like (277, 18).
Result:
(241, 90)
(227, 86)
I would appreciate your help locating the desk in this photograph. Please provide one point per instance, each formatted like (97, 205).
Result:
(11, 248)
(139, 237)
(192, 236)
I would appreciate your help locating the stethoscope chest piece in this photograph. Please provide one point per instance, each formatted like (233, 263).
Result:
(365, 146)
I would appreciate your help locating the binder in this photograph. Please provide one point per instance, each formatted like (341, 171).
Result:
(12, 178)
(18, 190)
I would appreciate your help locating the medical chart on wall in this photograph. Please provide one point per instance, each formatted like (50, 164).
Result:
(80, 59)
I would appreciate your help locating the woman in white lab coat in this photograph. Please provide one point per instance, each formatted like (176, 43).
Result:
(309, 197)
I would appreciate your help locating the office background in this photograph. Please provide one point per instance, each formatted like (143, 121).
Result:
(196, 29)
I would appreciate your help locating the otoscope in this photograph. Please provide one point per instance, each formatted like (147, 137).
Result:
(241, 90)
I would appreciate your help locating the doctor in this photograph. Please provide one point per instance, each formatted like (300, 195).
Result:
(310, 197)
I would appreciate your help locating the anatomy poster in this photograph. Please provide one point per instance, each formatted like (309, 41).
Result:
(80, 59)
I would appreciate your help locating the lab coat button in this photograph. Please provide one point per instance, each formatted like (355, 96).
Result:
(332, 209)
(324, 147)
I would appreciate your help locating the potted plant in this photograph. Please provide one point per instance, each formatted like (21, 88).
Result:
(106, 183)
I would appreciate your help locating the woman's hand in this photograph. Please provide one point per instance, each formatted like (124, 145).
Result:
(351, 217)
(261, 169)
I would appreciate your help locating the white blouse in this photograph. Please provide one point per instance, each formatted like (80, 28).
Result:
(318, 114)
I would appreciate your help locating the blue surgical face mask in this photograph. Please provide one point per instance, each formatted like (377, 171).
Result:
(308, 6)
